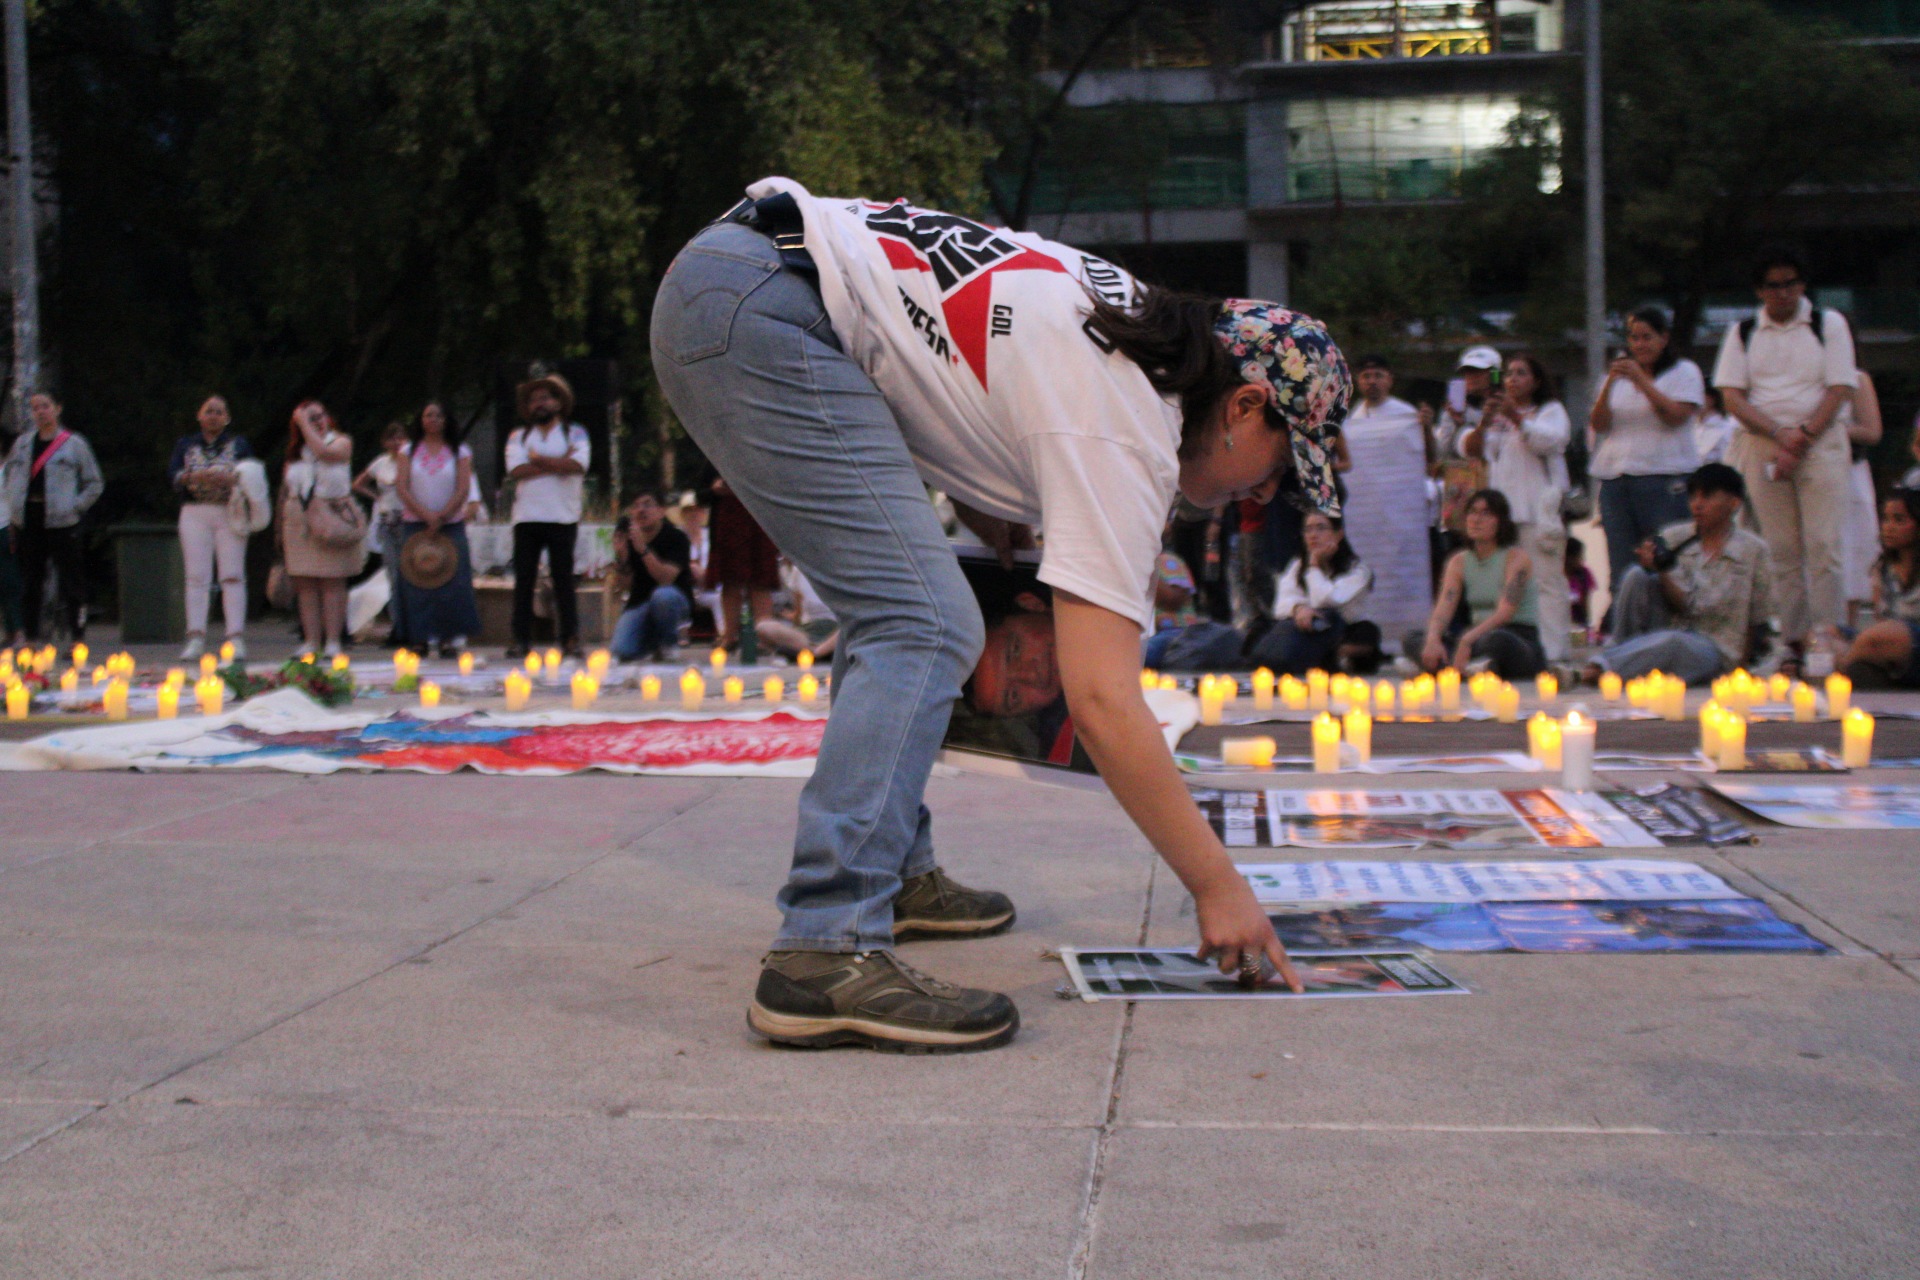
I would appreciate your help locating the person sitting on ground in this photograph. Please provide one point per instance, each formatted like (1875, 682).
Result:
(656, 556)
(1697, 604)
(1503, 634)
(1888, 651)
(1312, 600)
(801, 622)
(1580, 584)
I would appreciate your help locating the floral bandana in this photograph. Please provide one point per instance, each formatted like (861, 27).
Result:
(1293, 355)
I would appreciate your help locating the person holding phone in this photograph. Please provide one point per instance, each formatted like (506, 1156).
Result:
(834, 357)
(1642, 425)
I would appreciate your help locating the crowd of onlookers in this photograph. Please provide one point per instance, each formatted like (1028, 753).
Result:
(1738, 515)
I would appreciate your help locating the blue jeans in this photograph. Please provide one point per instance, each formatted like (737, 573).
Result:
(1648, 640)
(752, 367)
(1633, 509)
(1200, 646)
(651, 625)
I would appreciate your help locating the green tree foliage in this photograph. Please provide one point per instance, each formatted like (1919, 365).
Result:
(1377, 280)
(372, 201)
(1715, 111)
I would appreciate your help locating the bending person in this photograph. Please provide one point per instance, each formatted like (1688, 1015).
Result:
(832, 357)
(1888, 652)
(1503, 633)
(1311, 601)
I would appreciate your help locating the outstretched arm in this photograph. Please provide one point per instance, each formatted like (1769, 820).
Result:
(1099, 654)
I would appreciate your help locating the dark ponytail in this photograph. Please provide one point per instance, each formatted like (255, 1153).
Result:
(1170, 336)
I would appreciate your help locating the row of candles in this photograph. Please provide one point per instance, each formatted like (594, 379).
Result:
(1565, 745)
(210, 693)
(1663, 694)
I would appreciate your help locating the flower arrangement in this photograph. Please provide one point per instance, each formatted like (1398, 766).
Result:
(323, 684)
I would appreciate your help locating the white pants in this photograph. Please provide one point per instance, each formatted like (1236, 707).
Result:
(1861, 538)
(1546, 547)
(206, 537)
(1803, 519)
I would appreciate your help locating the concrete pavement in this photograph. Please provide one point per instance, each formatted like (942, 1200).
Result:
(408, 1026)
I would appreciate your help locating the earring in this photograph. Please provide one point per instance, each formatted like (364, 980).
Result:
(1229, 442)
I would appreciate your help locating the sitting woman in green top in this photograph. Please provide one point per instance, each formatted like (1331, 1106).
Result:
(1498, 587)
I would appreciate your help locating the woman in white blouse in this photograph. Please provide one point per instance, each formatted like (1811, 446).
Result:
(1523, 436)
(1644, 447)
(1311, 600)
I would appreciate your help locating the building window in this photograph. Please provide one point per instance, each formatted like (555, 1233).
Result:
(1390, 149)
(1357, 30)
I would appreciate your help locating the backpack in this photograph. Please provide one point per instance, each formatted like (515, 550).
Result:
(1816, 320)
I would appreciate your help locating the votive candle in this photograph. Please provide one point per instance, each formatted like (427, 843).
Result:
(584, 689)
(1610, 686)
(1839, 695)
(732, 689)
(466, 662)
(19, 698)
(1359, 726)
(1326, 744)
(1805, 703)
(1316, 690)
(693, 689)
(1248, 753)
(808, 689)
(649, 688)
(1448, 683)
(774, 690)
(1263, 690)
(519, 687)
(167, 701)
(1577, 733)
(1733, 741)
(1856, 739)
(429, 694)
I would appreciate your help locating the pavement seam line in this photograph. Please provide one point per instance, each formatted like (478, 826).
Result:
(1544, 1130)
(131, 832)
(1866, 947)
(1081, 1256)
(134, 1092)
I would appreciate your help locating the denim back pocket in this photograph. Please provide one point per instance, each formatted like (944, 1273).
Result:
(694, 310)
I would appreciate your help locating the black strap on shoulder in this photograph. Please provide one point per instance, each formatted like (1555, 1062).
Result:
(1816, 320)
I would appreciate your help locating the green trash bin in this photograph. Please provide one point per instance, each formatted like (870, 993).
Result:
(153, 583)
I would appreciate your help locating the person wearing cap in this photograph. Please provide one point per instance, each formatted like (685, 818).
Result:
(547, 460)
(1474, 379)
(835, 357)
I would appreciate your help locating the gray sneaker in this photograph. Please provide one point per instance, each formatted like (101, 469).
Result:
(818, 999)
(934, 906)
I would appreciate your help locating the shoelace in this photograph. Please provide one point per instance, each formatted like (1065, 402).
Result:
(926, 984)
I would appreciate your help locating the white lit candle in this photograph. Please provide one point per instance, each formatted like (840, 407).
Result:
(1856, 739)
(1551, 739)
(1316, 690)
(1293, 692)
(732, 689)
(1359, 727)
(19, 699)
(1546, 687)
(1733, 741)
(1448, 683)
(774, 690)
(168, 701)
(808, 689)
(805, 660)
(649, 688)
(693, 689)
(80, 652)
(429, 694)
(1326, 744)
(1839, 695)
(1384, 699)
(717, 660)
(1710, 717)
(1576, 751)
(1805, 703)
(1263, 690)
(1506, 704)
(518, 689)
(466, 662)
(1610, 686)
(1248, 753)
(585, 689)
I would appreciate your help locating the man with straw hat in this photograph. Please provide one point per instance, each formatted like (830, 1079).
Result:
(547, 460)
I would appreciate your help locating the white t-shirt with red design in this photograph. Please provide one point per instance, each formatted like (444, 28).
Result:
(976, 338)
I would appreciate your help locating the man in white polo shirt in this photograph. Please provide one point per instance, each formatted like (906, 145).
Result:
(1784, 373)
(547, 460)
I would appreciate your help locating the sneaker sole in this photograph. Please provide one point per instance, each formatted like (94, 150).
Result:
(827, 1033)
(904, 930)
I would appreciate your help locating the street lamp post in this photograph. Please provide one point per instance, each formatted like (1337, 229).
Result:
(1596, 208)
(26, 268)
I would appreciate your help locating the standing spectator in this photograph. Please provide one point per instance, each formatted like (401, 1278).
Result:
(52, 481)
(316, 505)
(1474, 379)
(433, 484)
(1642, 422)
(1523, 436)
(10, 600)
(1314, 605)
(203, 471)
(1387, 485)
(658, 559)
(1495, 579)
(696, 511)
(1697, 603)
(744, 564)
(547, 460)
(1784, 374)
(1888, 652)
(1713, 429)
(1860, 541)
(378, 484)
